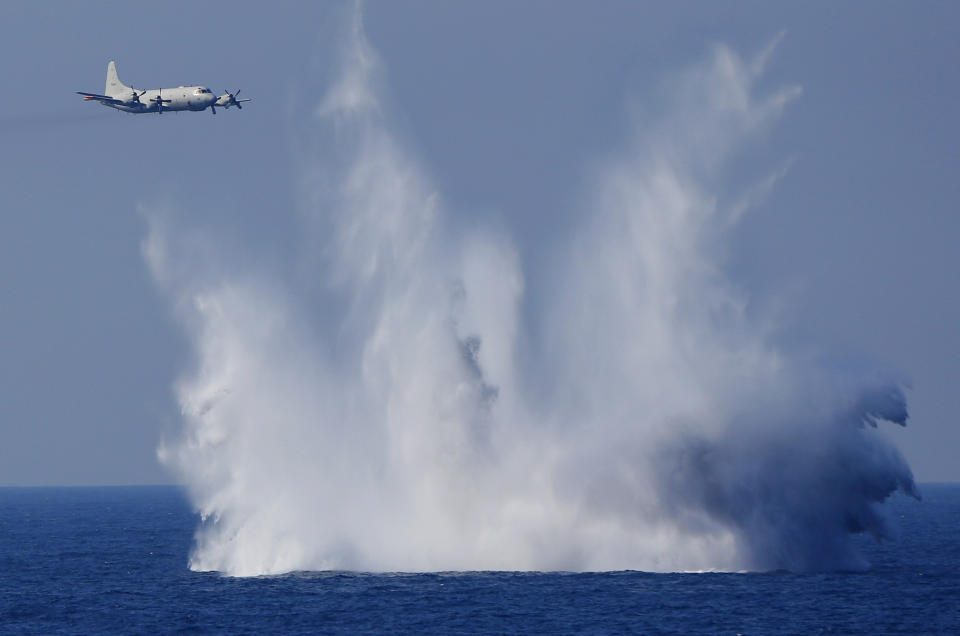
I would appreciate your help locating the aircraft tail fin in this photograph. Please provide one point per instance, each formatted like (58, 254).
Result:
(114, 85)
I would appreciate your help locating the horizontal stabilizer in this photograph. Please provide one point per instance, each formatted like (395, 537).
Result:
(100, 98)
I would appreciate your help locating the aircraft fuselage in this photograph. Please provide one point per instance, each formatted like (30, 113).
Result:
(175, 99)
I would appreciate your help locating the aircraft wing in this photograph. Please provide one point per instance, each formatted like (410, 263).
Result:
(103, 99)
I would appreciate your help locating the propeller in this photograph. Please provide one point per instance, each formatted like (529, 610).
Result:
(159, 101)
(136, 96)
(232, 99)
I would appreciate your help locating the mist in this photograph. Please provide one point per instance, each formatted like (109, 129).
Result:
(399, 403)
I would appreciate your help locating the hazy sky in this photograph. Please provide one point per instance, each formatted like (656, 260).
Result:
(509, 104)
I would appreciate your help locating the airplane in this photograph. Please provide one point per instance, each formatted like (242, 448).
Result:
(131, 100)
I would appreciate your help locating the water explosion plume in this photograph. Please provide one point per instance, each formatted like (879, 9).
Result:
(382, 412)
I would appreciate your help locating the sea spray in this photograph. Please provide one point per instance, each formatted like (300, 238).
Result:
(380, 411)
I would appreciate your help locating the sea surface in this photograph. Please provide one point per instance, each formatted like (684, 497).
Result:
(95, 560)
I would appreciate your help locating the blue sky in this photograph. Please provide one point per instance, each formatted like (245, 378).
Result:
(509, 106)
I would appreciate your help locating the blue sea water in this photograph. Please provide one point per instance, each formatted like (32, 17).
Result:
(93, 560)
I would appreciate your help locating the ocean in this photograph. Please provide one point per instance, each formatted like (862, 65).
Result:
(114, 559)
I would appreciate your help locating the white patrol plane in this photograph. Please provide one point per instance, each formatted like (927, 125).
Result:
(131, 100)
